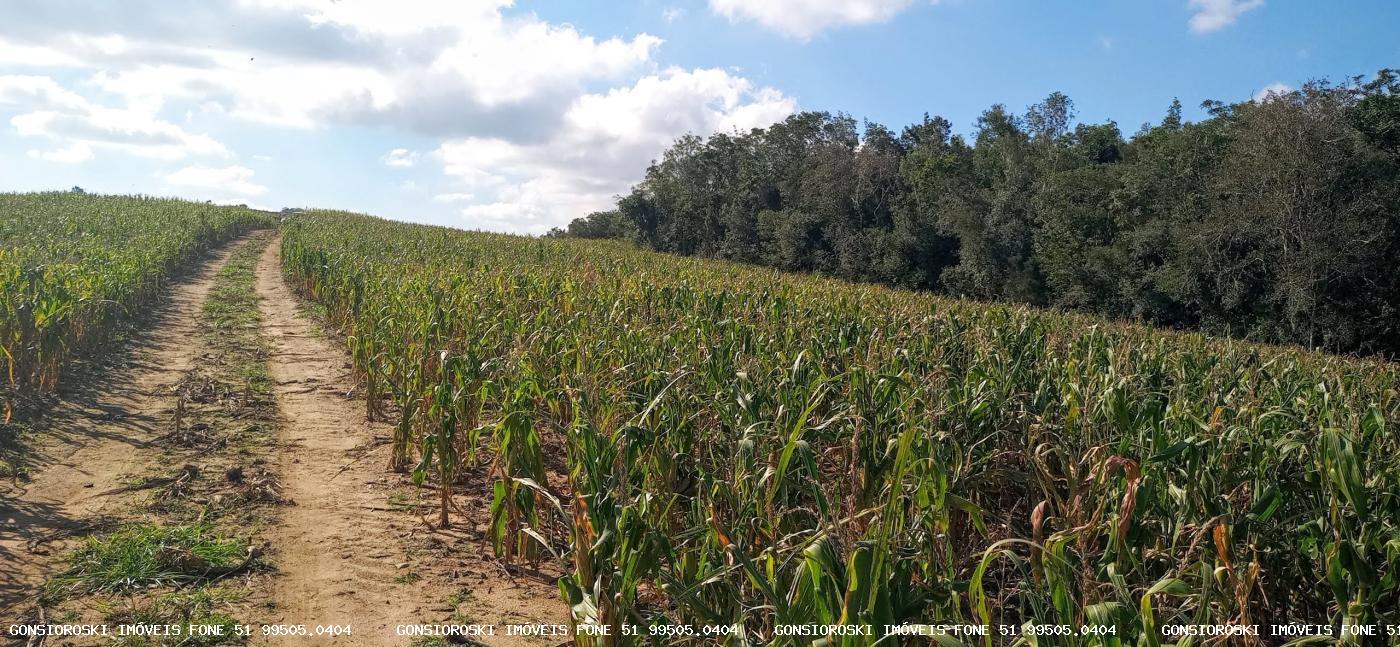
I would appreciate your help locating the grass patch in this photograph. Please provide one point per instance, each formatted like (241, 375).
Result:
(231, 313)
(232, 302)
(141, 556)
(196, 607)
(460, 596)
(429, 641)
(402, 500)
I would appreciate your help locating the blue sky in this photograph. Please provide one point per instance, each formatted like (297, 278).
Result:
(517, 117)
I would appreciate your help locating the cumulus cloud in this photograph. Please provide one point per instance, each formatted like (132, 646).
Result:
(803, 19)
(56, 113)
(537, 122)
(440, 69)
(229, 179)
(38, 92)
(436, 69)
(1271, 90)
(70, 154)
(1214, 15)
(401, 157)
(608, 140)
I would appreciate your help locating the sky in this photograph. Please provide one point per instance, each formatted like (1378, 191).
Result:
(519, 116)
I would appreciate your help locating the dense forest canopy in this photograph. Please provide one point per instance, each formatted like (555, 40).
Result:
(1275, 219)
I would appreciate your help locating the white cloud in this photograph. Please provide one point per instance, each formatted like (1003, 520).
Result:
(608, 140)
(672, 14)
(401, 157)
(803, 19)
(1214, 15)
(438, 69)
(521, 60)
(132, 131)
(70, 154)
(229, 179)
(39, 93)
(274, 93)
(511, 216)
(56, 113)
(534, 122)
(1271, 90)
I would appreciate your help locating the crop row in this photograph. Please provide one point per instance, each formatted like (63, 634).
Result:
(73, 266)
(704, 443)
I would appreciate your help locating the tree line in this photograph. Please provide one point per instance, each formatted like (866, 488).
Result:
(1274, 219)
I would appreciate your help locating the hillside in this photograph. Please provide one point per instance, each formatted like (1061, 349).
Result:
(712, 443)
(1268, 219)
(556, 435)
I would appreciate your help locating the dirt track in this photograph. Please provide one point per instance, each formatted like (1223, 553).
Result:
(337, 556)
(345, 556)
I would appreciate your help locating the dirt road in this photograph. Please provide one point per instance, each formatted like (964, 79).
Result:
(347, 552)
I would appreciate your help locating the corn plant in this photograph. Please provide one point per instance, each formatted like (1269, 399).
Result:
(724, 445)
(73, 266)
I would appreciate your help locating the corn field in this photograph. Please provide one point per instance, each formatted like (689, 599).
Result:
(696, 442)
(73, 265)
